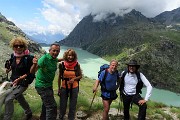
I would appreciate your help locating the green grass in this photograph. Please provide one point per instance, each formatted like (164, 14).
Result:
(85, 97)
(6, 36)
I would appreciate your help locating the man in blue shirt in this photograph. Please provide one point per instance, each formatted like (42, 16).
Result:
(109, 80)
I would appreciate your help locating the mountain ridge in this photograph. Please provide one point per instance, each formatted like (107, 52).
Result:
(169, 17)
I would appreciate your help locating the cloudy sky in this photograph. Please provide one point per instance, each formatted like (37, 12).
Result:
(61, 16)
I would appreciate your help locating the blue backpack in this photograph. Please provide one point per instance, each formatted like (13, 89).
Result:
(103, 82)
(103, 67)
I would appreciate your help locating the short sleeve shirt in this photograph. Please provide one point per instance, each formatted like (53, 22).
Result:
(110, 82)
(47, 67)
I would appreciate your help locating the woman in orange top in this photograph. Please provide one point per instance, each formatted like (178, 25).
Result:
(70, 74)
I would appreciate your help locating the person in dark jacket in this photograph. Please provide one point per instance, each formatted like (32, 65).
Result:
(19, 77)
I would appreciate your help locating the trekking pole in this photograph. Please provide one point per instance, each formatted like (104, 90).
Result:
(92, 100)
(120, 105)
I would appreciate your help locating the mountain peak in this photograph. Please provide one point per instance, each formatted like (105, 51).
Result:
(169, 17)
(124, 14)
(81, 36)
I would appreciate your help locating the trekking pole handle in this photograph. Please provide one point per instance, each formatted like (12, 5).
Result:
(7, 64)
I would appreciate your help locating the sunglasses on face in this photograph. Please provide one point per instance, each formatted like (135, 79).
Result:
(20, 46)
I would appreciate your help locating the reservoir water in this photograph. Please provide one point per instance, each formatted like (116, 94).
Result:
(90, 64)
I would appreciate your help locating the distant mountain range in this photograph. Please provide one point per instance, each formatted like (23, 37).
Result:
(154, 42)
(46, 38)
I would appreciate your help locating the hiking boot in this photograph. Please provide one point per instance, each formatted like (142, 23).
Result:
(28, 117)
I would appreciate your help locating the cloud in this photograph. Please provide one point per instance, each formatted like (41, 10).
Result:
(149, 8)
(32, 26)
(100, 8)
(55, 17)
(172, 4)
(62, 16)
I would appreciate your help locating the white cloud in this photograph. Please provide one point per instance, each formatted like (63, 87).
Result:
(172, 4)
(63, 15)
(60, 15)
(149, 8)
(32, 26)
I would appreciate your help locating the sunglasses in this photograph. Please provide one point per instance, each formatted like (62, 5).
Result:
(20, 46)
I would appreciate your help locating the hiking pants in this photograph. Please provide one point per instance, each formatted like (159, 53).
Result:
(49, 106)
(72, 95)
(9, 105)
(127, 102)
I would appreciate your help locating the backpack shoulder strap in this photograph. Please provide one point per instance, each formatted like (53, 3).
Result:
(103, 82)
(139, 85)
(124, 74)
(138, 76)
(77, 69)
(105, 75)
(62, 66)
(62, 63)
(28, 60)
(117, 72)
(122, 80)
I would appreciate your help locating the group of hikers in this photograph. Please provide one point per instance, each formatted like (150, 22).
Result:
(24, 66)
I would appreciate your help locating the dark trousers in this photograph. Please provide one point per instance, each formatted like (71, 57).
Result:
(127, 102)
(49, 106)
(72, 95)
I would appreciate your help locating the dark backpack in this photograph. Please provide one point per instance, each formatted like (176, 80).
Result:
(30, 77)
(139, 85)
(104, 67)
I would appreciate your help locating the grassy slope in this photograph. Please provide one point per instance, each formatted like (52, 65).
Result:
(5, 34)
(84, 100)
(158, 55)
